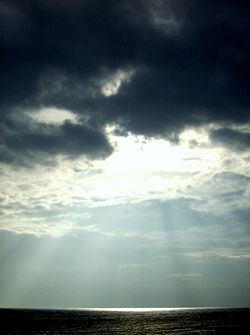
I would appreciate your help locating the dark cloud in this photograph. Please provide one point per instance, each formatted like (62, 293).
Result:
(234, 139)
(191, 63)
(42, 139)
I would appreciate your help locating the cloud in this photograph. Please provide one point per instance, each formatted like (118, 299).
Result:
(231, 177)
(186, 276)
(133, 118)
(36, 140)
(137, 171)
(152, 247)
(189, 63)
(231, 138)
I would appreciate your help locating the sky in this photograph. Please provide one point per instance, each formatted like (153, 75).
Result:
(124, 153)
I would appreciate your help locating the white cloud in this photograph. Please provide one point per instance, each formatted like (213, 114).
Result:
(53, 115)
(186, 276)
(112, 84)
(138, 170)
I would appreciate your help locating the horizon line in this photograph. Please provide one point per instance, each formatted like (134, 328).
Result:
(123, 309)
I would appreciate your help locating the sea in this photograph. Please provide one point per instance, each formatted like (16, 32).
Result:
(125, 321)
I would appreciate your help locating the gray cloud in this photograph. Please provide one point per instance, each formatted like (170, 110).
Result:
(34, 140)
(234, 139)
(231, 176)
(191, 64)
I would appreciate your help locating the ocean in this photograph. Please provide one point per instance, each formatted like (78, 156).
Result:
(125, 321)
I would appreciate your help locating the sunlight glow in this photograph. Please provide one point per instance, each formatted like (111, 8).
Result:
(138, 170)
(135, 154)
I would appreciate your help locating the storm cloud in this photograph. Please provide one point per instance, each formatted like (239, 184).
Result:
(149, 67)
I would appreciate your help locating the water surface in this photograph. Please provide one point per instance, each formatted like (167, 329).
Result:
(125, 321)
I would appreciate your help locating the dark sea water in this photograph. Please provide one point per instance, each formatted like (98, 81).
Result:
(120, 321)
